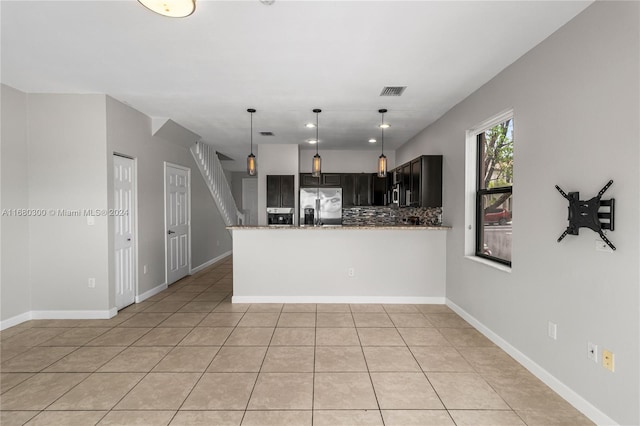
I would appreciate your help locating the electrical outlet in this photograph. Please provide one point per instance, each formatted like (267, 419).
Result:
(92, 283)
(602, 246)
(608, 360)
(91, 220)
(592, 352)
(218, 243)
(351, 272)
(552, 330)
(145, 269)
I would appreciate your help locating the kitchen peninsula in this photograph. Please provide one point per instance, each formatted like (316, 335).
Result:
(344, 264)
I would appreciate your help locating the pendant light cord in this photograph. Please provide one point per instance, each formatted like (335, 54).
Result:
(251, 114)
(382, 128)
(317, 140)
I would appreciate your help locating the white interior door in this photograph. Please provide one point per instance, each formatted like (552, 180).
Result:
(124, 241)
(250, 200)
(178, 221)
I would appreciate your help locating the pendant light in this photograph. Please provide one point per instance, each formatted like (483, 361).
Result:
(251, 159)
(170, 8)
(382, 160)
(316, 166)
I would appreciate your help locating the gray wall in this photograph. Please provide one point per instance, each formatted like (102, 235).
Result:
(57, 154)
(67, 158)
(576, 104)
(15, 294)
(129, 133)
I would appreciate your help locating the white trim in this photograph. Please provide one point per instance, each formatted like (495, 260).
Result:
(560, 388)
(71, 314)
(166, 248)
(149, 293)
(40, 315)
(389, 300)
(470, 182)
(136, 254)
(490, 263)
(18, 319)
(210, 262)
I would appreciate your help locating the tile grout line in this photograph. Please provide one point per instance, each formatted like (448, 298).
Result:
(255, 383)
(154, 366)
(366, 363)
(208, 365)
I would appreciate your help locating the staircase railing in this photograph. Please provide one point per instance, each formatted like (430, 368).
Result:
(211, 169)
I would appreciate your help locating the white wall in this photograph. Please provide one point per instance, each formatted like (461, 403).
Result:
(346, 161)
(303, 265)
(67, 157)
(275, 159)
(15, 294)
(129, 133)
(576, 104)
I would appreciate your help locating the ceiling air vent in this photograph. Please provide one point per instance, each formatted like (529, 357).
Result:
(392, 90)
(266, 133)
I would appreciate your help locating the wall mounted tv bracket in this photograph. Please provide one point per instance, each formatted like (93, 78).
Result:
(587, 214)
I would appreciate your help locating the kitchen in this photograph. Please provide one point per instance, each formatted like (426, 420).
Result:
(577, 74)
(337, 224)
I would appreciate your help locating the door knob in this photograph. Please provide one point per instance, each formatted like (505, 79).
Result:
(171, 232)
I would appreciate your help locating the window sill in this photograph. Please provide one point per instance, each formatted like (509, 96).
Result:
(491, 263)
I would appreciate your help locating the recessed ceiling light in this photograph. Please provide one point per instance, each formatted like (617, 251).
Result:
(312, 141)
(372, 140)
(309, 125)
(384, 126)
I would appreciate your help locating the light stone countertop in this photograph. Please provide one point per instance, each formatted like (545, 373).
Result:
(342, 228)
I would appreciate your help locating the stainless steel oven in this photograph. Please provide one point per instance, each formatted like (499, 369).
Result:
(279, 216)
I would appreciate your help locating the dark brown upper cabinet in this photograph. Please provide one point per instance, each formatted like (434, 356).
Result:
(280, 191)
(421, 182)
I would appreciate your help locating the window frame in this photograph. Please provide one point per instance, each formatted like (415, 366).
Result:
(474, 193)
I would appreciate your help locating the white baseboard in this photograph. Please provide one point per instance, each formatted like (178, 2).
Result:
(37, 315)
(389, 300)
(149, 293)
(18, 319)
(71, 314)
(560, 388)
(210, 262)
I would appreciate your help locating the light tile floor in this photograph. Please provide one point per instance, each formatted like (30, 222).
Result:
(187, 356)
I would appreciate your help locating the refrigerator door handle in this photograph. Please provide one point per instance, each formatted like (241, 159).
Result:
(318, 222)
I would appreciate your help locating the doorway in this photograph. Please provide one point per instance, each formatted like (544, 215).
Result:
(250, 200)
(124, 218)
(177, 215)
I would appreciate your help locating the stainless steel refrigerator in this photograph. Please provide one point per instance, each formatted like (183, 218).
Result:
(320, 206)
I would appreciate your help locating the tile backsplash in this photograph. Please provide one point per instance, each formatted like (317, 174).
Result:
(381, 216)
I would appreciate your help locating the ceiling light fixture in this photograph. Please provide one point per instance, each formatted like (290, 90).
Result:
(372, 140)
(170, 8)
(251, 159)
(309, 125)
(316, 165)
(312, 141)
(382, 160)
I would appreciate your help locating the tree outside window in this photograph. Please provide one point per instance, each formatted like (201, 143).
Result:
(494, 216)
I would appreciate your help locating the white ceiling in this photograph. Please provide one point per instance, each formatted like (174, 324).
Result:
(204, 71)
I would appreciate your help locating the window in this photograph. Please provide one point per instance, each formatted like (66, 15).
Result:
(494, 189)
